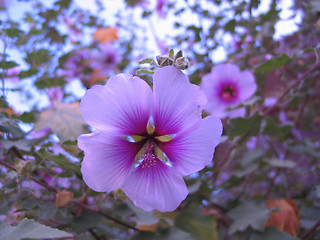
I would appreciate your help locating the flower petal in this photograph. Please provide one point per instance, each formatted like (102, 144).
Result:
(193, 149)
(107, 161)
(177, 102)
(155, 187)
(247, 86)
(123, 104)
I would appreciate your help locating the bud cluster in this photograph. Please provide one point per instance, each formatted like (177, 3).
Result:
(178, 60)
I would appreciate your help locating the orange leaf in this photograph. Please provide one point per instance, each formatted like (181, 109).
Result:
(149, 228)
(104, 35)
(287, 219)
(63, 198)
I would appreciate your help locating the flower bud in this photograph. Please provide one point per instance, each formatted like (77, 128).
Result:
(181, 63)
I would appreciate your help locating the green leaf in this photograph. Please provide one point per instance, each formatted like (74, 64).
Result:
(3, 103)
(7, 64)
(38, 57)
(147, 60)
(143, 217)
(48, 82)
(28, 73)
(248, 214)
(166, 234)
(30, 229)
(272, 128)
(22, 144)
(252, 157)
(272, 233)
(201, 227)
(10, 126)
(240, 126)
(146, 71)
(230, 26)
(60, 160)
(13, 32)
(86, 220)
(273, 64)
(281, 163)
(63, 3)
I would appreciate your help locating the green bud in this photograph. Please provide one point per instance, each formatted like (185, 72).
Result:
(181, 63)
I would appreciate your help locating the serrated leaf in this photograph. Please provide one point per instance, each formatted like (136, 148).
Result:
(281, 163)
(273, 64)
(194, 221)
(271, 233)
(166, 234)
(247, 215)
(30, 229)
(64, 119)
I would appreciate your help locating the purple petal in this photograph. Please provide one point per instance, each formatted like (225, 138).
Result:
(247, 86)
(107, 161)
(227, 71)
(123, 104)
(177, 102)
(155, 187)
(193, 149)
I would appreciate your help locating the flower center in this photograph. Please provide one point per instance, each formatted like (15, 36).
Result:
(150, 153)
(149, 157)
(228, 92)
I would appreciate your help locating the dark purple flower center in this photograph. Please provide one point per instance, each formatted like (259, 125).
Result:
(228, 92)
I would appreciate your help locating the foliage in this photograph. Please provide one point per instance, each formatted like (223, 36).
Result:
(264, 179)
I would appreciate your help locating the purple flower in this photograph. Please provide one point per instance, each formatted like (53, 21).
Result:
(145, 142)
(55, 94)
(106, 59)
(12, 74)
(78, 65)
(226, 87)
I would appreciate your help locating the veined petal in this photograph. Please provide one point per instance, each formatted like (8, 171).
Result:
(193, 149)
(108, 160)
(155, 187)
(177, 103)
(247, 85)
(123, 104)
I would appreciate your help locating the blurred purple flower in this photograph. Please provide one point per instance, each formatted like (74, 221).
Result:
(145, 142)
(40, 134)
(55, 94)
(12, 74)
(78, 65)
(159, 8)
(227, 87)
(106, 59)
